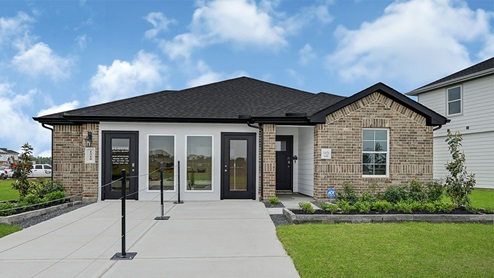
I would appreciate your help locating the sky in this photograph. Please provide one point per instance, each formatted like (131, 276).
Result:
(61, 55)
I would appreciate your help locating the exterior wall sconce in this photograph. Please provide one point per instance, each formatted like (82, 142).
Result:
(89, 139)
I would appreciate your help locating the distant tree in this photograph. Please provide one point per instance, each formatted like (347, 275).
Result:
(459, 182)
(42, 160)
(21, 170)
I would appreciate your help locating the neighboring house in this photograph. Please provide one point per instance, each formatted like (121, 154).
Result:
(467, 99)
(242, 138)
(5, 154)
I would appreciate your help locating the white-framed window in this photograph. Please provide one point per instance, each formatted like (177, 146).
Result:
(454, 100)
(199, 163)
(161, 148)
(375, 152)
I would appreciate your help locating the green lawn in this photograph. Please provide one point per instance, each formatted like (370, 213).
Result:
(390, 250)
(8, 229)
(479, 198)
(6, 191)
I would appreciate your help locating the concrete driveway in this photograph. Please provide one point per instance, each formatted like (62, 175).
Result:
(201, 239)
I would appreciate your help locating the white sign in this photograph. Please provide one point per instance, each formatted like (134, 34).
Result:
(90, 155)
(325, 153)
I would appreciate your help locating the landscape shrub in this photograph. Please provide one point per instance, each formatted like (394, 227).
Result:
(349, 194)
(416, 191)
(395, 194)
(434, 190)
(345, 207)
(306, 207)
(41, 187)
(362, 207)
(403, 206)
(55, 195)
(429, 207)
(332, 208)
(7, 208)
(381, 206)
(274, 201)
(21, 169)
(30, 199)
(443, 207)
(367, 196)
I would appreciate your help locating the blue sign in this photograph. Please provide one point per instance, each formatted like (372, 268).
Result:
(331, 193)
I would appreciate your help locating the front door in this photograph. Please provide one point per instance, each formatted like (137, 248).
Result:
(238, 166)
(284, 162)
(119, 152)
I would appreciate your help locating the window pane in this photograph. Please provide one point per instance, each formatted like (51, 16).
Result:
(381, 135)
(454, 107)
(368, 145)
(238, 165)
(367, 169)
(454, 93)
(281, 146)
(161, 149)
(380, 158)
(380, 170)
(120, 160)
(199, 162)
(368, 158)
(368, 134)
(381, 146)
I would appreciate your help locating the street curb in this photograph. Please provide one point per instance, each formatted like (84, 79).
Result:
(17, 218)
(387, 218)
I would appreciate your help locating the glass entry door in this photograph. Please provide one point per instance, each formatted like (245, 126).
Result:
(238, 179)
(119, 152)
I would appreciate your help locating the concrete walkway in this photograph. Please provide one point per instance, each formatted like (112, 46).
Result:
(201, 239)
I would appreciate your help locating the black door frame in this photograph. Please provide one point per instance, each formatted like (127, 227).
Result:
(106, 137)
(251, 165)
(288, 167)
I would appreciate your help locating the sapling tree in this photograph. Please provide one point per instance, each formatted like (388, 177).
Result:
(21, 170)
(459, 182)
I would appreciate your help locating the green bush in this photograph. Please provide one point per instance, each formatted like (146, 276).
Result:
(381, 206)
(416, 191)
(30, 199)
(403, 206)
(395, 194)
(349, 194)
(443, 207)
(345, 207)
(434, 190)
(332, 208)
(429, 207)
(306, 207)
(367, 196)
(7, 208)
(41, 187)
(362, 207)
(274, 201)
(55, 195)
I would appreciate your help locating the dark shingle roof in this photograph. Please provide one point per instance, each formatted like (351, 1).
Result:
(477, 68)
(222, 102)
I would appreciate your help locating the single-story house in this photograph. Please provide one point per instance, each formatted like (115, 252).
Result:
(5, 154)
(243, 139)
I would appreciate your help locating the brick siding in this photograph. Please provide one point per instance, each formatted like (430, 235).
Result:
(269, 165)
(79, 179)
(410, 145)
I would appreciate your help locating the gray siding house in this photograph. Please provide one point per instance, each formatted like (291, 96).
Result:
(466, 97)
(242, 139)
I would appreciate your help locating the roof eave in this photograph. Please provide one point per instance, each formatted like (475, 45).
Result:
(450, 82)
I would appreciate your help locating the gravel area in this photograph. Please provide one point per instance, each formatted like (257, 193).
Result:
(38, 219)
(279, 219)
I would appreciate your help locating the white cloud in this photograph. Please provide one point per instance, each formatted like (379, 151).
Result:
(205, 75)
(306, 54)
(18, 127)
(14, 27)
(81, 41)
(124, 79)
(160, 24)
(59, 108)
(415, 41)
(39, 60)
(488, 50)
(295, 76)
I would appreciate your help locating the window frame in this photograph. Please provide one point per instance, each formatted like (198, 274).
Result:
(187, 162)
(174, 163)
(449, 101)
(387, 152)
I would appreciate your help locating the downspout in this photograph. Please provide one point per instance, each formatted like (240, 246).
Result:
(261, 163)
(437, 127)
(50, 128)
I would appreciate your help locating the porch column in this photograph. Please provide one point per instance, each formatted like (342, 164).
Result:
(269, 165)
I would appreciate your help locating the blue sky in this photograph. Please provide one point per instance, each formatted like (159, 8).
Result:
(60, 55)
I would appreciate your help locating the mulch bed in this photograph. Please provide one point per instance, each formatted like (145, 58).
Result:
(454, 211)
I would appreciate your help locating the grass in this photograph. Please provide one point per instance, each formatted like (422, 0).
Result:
(8, 229)
(390, 250)
(479, 198)
(6, 191)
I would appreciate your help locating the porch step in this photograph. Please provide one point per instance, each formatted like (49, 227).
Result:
(281, 192)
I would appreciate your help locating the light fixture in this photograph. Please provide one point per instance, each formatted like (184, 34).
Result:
(89, 139)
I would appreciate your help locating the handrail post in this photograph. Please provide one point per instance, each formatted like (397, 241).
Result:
(178, 185)
(162, 216)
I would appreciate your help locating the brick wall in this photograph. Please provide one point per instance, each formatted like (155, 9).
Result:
(269, 166)
(410, 145)
(69, 167)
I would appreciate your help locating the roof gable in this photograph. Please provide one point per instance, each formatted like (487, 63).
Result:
(432, 117)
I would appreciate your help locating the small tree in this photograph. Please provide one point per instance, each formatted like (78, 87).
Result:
(459, 183)
(21, 170)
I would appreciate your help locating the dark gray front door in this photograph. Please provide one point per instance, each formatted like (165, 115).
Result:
(284, 162)
(238, 165)
(120, 151)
